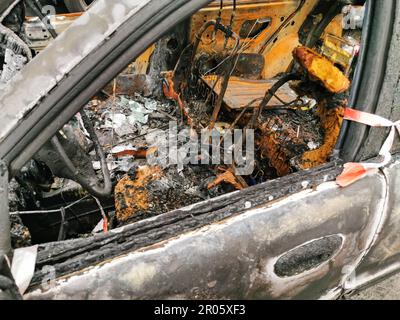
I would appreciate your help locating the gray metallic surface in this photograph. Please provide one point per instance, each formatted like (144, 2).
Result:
(235, 258)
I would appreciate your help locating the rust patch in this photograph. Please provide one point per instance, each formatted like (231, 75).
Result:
(322, 70)
(331, 122)
(277, 53)
(170, 93)
(288, 149)
(131, 193)
(271, 147)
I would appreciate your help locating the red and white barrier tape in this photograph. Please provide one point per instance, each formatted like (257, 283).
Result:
(355, 171)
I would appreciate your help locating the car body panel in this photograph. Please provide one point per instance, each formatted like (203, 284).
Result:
(235, 258)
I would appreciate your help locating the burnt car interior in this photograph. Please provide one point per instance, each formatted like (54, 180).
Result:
(281, 68)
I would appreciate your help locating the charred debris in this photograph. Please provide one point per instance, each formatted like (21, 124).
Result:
(285, 75)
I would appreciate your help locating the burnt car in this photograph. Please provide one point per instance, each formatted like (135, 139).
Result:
(113, 132)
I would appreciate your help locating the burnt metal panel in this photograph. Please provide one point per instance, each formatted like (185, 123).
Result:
(235, 258)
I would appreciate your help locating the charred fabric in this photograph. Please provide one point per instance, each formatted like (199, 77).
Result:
(285, 75)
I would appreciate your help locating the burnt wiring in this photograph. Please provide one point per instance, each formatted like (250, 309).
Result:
(242, 48)
(230, 69)
(282, 26)
(224, 85)
(219, 27)
(229, 64)
(217, 66)
(240, 51)
(269, 95)
(232, 20)
(62, 233)
(219, 19)
(49, 211)
(229, 33)
(228, 74)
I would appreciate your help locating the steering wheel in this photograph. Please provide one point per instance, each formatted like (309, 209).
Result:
(67, 159)
(90, 182)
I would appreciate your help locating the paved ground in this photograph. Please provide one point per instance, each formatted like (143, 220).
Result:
(386, 290)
